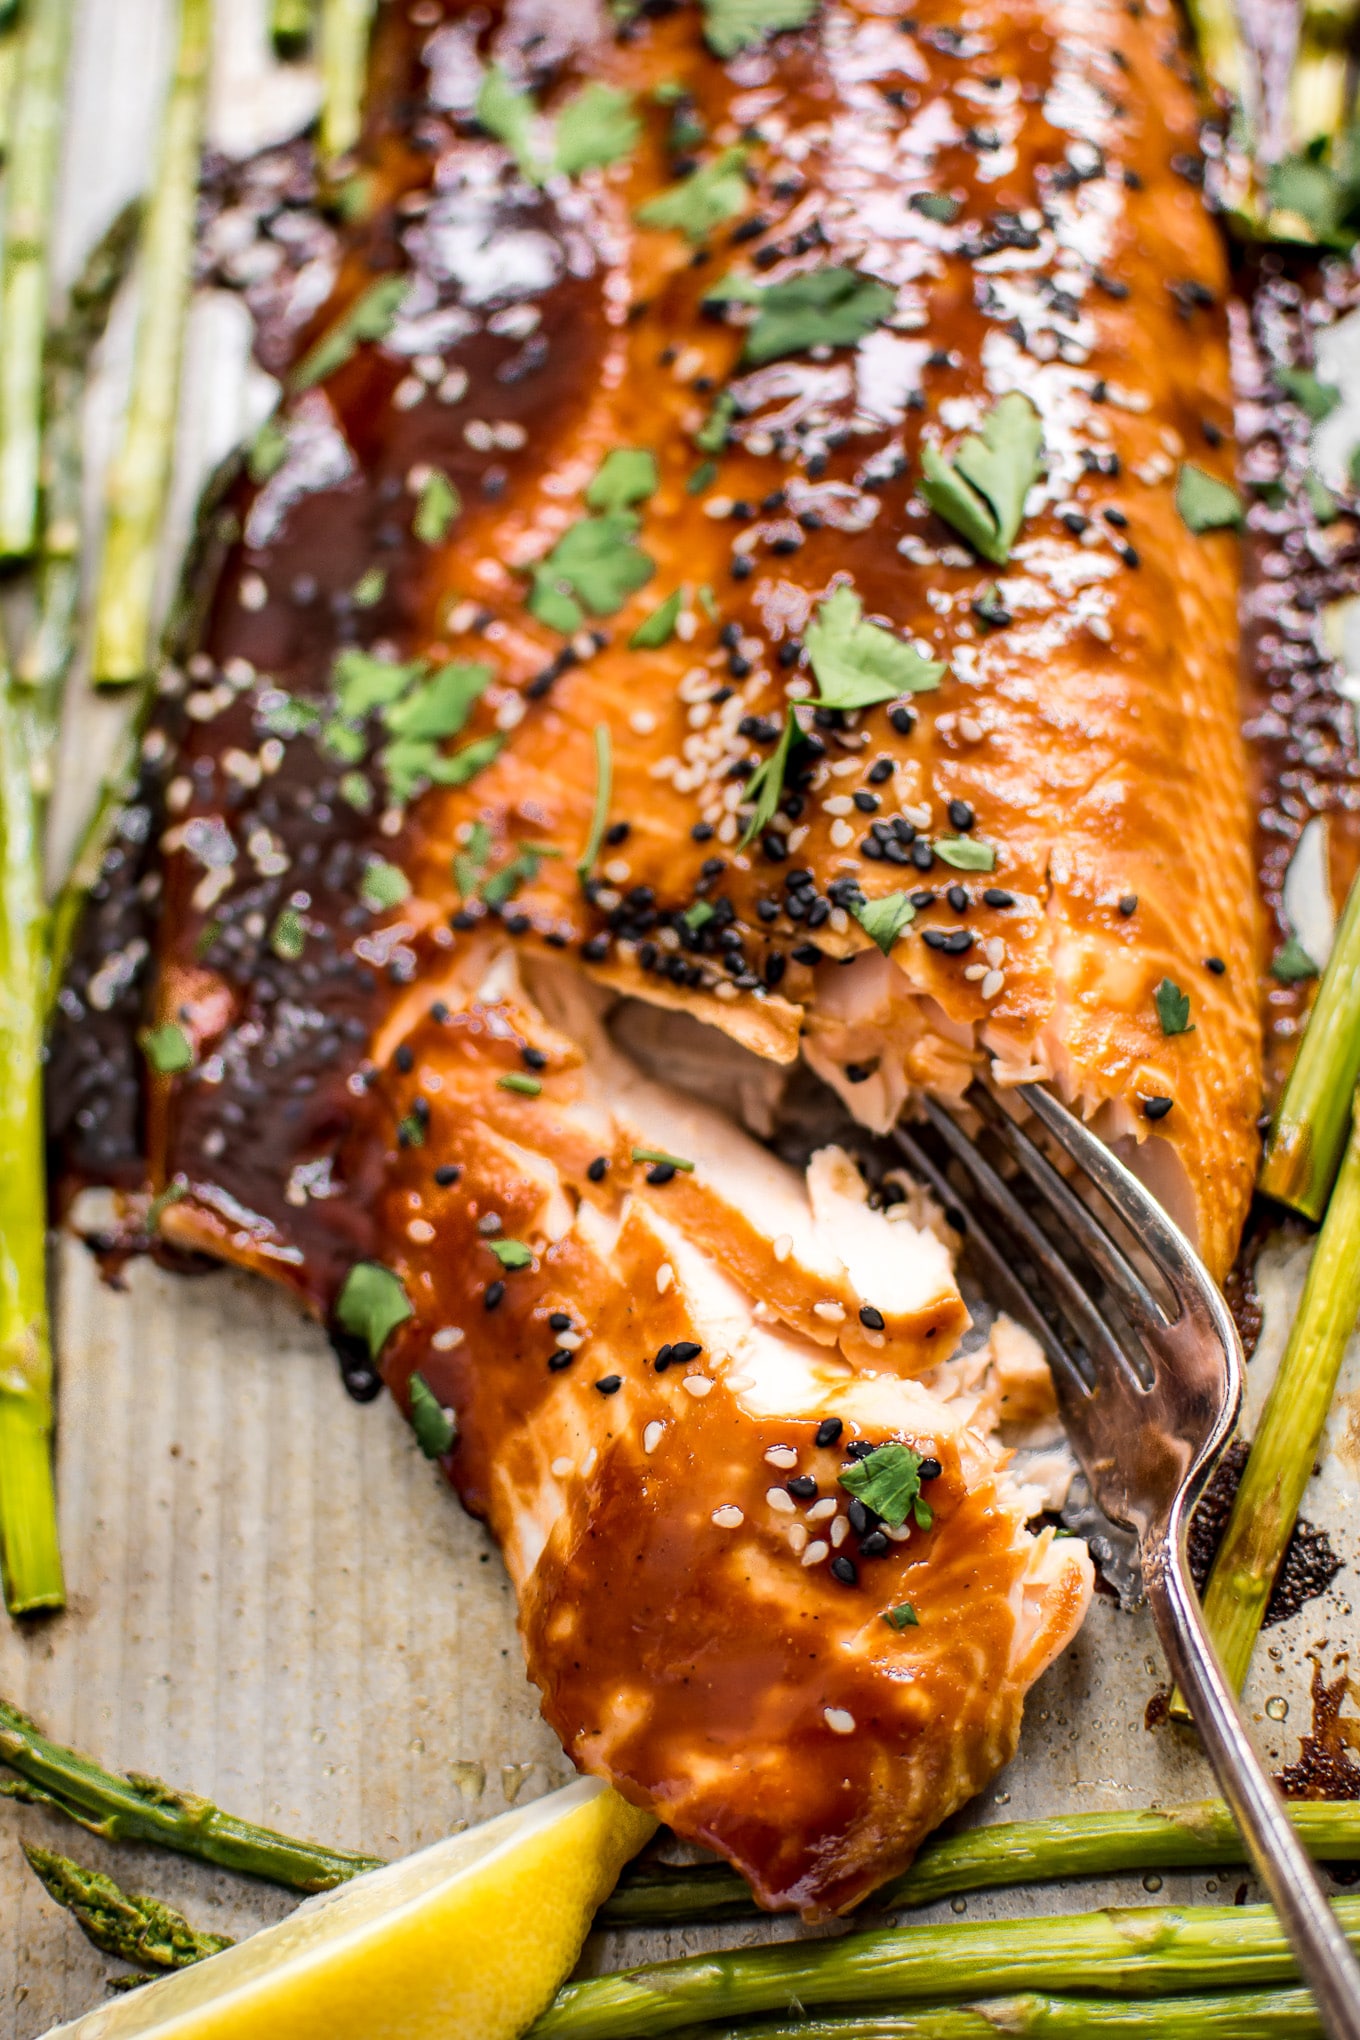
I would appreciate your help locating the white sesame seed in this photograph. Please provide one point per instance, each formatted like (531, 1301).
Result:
(819, 1511)
(839, 921)
(508, 435)
(446, 1338)
(782, 1456)
(839, 1720)
(783, 1246)
(652, 1436)
(618, 871)
(798, 1537)
(420, 1230)
(454, 386)
(841, 833)
(562, 1467)
(831, 1311)
(993, 984)
(718, 506)
(665, 1275)
(1099, 628)
(642, 722)
(573, 1341)
(729, 1517)
(408, 393)
(839, 1531)
(698, 1384)
(974, 971)
(816, 1552)
(253, 591)
(479, 435)
(969, 729)
(780, 1499)
(994, 949)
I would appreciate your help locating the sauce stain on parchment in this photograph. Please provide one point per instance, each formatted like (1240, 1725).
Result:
(1325, 1768)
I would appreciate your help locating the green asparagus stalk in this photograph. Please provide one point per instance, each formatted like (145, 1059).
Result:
(1226, 2015)
(128, 1926)
(1290, 1430)
(139, 481)
(1309, 1129)
(345, 26)
(1197, 1836)
(30, 187)
(1142, 1951)
(11, 48)
(30, 1554)
(140, 1809)
(290, 27)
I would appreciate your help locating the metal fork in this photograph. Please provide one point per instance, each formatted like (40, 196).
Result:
(1148, 1371)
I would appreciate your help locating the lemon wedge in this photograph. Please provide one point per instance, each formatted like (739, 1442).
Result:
(467, 1940)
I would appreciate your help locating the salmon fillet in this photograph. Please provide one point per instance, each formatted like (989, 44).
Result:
(604, 625)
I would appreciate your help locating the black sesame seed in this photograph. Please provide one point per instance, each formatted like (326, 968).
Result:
(875, 1545)
(560, 1359)
(1129, 555)
(609, 1384)
(494, 1292)
(961, 814)
(845, 1570)
(867, 803)
(828, 1431)
(870, 1318)
(702, 832)
(930, 1469)
(664, 1356)
(685, 1350)
(859, 1073)
(1156, 1108)
(404, 1060)
(1115, 517)
(1129, 904)
(559, 1321)
(922, 856)
(596, 949)
(802, 1487)
(533, 1058)
(446, 1173)
(439, 1012)
(881, 769)
(957, 898)
(661, 1172)
(596, 1169)
(1213, 435)
(1216, 965)
(922, 899)
(742, 567)
(861, 1522)
(995, 897)
(860, 1448)
(616, 833)
(902, 720)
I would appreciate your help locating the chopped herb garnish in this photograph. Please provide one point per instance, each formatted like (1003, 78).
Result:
(1205, 503)
(702, 478)
(732, 25)
(936, 205)
(288, 937)
(1321, 501)
(371, 1304)
(1316, 399)
(288, 715)
(369, 588)
(644, 1154)
(356, 791)
(858, 664)
(173, 1193)
(658, 628)
(411, 1131)
(626, 476)
(363, 682)
(167, 1048)
(903, 1616)
(604, 786)
(437, 506)
(440, 705)
(468, 762)
(434, 1426)
(965, 853)
(698, 916)
(823, 308)
(1291, 963)
(981, 492)
(708, 602)
(715, 192)
(1320, 189)
(596, 128)
(370, 317)
(511, 1253)
(522, 869)
(888, 1481)
(766, 784)
(470, 862)
(884, 920)
(1173, 1007)
(510, 116)
(268, 452)
(594, 566)
(716, 429)
(527, 1087)
(383, 885)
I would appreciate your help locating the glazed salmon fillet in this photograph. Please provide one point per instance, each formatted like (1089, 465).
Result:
(733, 569)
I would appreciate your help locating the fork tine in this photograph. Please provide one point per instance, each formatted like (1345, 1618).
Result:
(1004, 1285)
(1095, 1334)
(1132, 1292)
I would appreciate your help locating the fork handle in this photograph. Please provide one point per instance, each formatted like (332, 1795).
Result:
(1325, 1959)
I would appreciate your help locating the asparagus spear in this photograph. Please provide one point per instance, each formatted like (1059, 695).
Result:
(345, 26)
(128, 1926)
(140, 1809)
(11, 46)
(1226, 2015)
(1287, 1437)
(1309, 1129)
(1123, 1952)
(290, 27)
(139, 480)
(1196, 1836)
(30, 1553)
(30, 185)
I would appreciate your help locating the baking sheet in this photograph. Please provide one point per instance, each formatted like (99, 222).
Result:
(273, 1598)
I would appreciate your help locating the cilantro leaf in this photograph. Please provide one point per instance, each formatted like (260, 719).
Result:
(269, 450)
(356, 791)
(288, 715)
(363, 683)
(595, 129)
(936, 205)
(887, 1480)
(884, 920)
(436, 1428)
(370, 317)
(1322, 190)
(706, 472)
(1173, 1007)
(369, 588)
(658, 628)
(732, 25)
(965, 853)
(511, 1253)
(823, 308)
(468, 762)
(438, 504)
(383, 885)
(858, 664)
(713, 193)
(698, 916)
(904, 1616)
(1317, 400)
(716, 429)
(604, 787)
(441, 705)
(288, 937)
(595, 565)
(470, 862)
(1321, 501)
(167, 1048)
(510, 116)
(1291, 963)
(766, 784)
(522, 869)
(626, 475)
(982, 491)
(371, 1304)
(1205, 503)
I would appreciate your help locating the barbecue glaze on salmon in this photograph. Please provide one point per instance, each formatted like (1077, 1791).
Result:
(591, 478)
